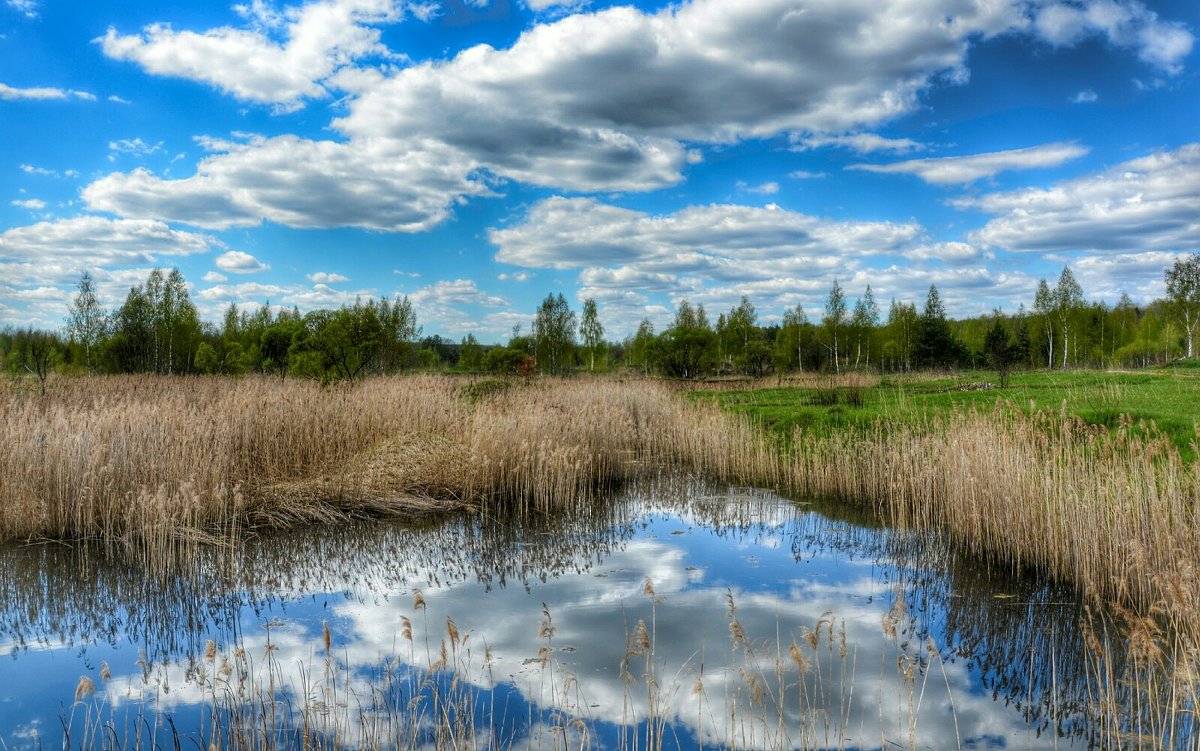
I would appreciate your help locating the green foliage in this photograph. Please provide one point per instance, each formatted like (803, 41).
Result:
(592, 332)
(1183, 296)
(508, 361)
(998, 350)
(554, 336)
(935, 346)
(688, 349)
(470, 357)
(207, 360)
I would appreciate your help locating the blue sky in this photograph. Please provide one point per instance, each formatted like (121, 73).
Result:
(478, 154)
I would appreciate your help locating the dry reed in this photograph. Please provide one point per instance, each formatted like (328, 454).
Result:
(151, 460)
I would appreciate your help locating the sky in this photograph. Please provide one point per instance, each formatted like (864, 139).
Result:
(477, 155)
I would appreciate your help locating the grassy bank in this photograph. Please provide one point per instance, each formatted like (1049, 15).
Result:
(1163, 402)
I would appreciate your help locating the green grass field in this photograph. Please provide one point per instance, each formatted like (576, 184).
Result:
(1166, 400)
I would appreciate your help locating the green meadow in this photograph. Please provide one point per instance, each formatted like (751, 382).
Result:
(1163, 402)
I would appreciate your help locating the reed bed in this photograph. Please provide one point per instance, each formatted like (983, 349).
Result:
(151, 460)
(1115, 512)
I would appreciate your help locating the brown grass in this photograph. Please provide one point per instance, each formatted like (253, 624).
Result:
(151, 460)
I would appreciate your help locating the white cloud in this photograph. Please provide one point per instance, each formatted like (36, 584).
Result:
(322, 277)
(213, 277)
(1125, 23)
(33, 204)
(28, 8)
(117, 100)
(964, 169)
(375, 184)
(1086, 96)
(801, 174)
(947, 252)
(1140, 275)
(42, 93)
(93, 240)
(134, 147)
(239, 262)
(861, 143)
(456, 292)
(521, 276)
(615, 100)
(319, 39)
(766, 189)
(1150, 203)
(579, 232)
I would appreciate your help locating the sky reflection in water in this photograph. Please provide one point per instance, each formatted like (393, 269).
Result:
(784, 567)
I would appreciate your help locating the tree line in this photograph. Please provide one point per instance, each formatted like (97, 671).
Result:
(157, 329)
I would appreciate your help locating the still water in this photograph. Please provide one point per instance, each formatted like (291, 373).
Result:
(676, 615)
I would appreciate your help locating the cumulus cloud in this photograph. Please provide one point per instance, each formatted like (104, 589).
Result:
(1150, 203)
(323, 277)
(42, 93)
(613, 100)
(1140, 275)
(946, 252)
(213, 277)
(1086, 96)
(1125, 23)
(455, 292)
(94, 240)
(315, 41)
(33, 204)
(861, 143)
(239, 262)
(384, 185)
(965, 169)
(577, 232)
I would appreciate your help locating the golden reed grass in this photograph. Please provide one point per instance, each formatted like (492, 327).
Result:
(152, 460)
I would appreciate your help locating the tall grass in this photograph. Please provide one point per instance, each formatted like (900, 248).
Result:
(150, 460)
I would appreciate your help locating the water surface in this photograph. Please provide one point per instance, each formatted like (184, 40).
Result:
(680, 613)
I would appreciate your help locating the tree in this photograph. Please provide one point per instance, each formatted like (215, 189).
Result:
(400, 330)
(835, 319)
(592, 331)
(688, 348)
(1183, 295)
(206, 359)
(86, 320)
(276, 345)
(470, 356)
(863, 323)
(554, 335)
(901, 333)
(998, 349)
(642, 349)
(1043, 306)
(935, 344)
(37, 352)
(1068, 299)
(346, 339)
(789, 342)
(736, 331)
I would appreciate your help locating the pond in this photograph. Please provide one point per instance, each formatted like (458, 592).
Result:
(675, 615)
